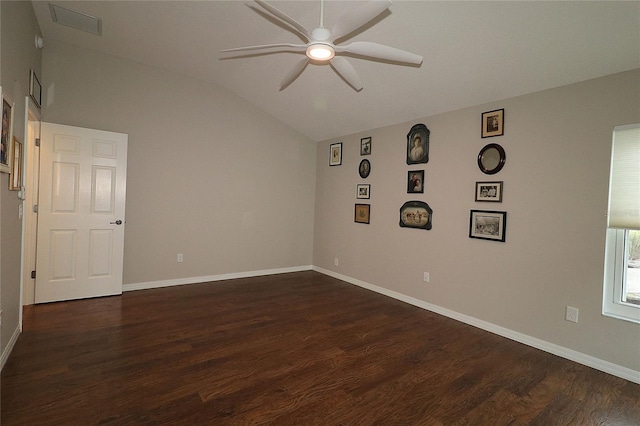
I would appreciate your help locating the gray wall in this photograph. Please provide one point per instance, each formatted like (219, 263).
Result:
(558, 145)
(209, 175)
(19, 55)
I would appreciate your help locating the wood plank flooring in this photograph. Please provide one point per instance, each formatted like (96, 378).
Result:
(290, 349)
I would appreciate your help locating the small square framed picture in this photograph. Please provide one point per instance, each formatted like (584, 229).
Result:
(365, 146)
(363, 191)
(335, 154)
(489, 191)
(487, 225)
(362, 213)
(493, 123)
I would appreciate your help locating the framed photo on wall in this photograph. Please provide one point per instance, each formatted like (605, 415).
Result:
(35, 89)
(364, 169)
(15, 179)
(487, 225)
(363, 191)
(493, 123)
(5, 138)
(365, 146)
(415, 181)
(362, 213)
(489, 191)
(416, 214)
(335, 154)
(418, 144)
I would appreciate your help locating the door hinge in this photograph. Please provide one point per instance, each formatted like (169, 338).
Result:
(33, 275)
(35, 208)
(37, 141)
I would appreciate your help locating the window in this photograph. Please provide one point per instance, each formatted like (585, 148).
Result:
(622, 275)
(621, 297)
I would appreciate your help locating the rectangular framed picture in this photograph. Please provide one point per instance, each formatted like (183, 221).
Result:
(363, 191)
(365, 146)
(362, 212)
(493, 123)
(487, 225)
(5, 138)
(35, 89)
(489, 191)
(415, 181)
(15, 180)
(335, 154)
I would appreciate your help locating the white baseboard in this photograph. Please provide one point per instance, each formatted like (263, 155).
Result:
(552, 348)
(221, 277)
(9, 347)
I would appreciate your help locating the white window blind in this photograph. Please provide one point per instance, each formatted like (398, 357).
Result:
(624, 183)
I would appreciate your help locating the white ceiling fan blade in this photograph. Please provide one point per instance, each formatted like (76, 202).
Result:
(346, 71)
(286, 18)
(280, 46)
(380, 51)
(294, 73)
(357, 17)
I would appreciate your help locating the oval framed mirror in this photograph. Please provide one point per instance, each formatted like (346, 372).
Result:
(491, 159)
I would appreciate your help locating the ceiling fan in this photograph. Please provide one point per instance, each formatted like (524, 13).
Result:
(321, 47)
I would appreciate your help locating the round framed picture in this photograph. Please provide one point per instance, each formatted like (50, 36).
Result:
(364, 169)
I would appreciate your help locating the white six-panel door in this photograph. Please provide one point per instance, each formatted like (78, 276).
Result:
(81, 213)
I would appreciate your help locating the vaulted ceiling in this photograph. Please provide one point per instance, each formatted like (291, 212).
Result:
(474, 52)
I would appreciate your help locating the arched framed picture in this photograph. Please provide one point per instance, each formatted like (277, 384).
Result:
(416, 214)
(418, 144)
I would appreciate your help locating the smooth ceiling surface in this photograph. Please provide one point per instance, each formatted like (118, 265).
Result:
(474, 52)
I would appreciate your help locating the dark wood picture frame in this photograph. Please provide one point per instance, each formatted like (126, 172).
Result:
(490, 192)
(6, 133)
(488, 225)
(362, 213)
(493, 123)
(364, 169)
(418, 144)
(35, 89)
(415, 182)
(416, 214)
(15, 178)
(335, 154)
(491, 159)
(365, 146)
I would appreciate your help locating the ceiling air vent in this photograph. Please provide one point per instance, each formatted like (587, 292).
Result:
(77, 20)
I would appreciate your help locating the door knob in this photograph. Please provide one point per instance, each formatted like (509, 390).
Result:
(117, 222)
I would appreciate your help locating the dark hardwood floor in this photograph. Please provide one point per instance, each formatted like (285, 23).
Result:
(291, 349)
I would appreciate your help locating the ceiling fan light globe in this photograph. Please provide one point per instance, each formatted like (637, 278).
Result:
(320, 52)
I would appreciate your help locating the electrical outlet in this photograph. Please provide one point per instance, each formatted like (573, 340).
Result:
(572, 314)
(180, 257)
(426, 277)
(335, 261)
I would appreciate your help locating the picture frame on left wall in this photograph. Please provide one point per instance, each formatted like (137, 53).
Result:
(5, 138)
(35, 89)
(15, 179)
(335, 154)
